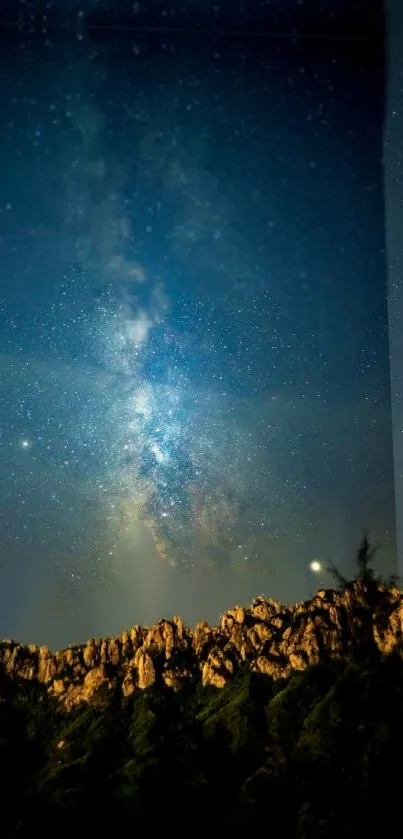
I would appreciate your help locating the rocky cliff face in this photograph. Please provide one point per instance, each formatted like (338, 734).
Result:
(270, 637)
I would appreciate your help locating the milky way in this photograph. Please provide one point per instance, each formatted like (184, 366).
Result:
(193, 315)
(154, 430)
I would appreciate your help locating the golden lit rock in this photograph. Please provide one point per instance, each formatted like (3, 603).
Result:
(273, 638)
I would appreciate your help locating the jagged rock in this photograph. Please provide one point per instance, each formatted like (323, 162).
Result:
(175, 678)
(129, 681)
(58, 687)
(165, 637)
(271, 667)
(145, 669)
(218, 669)
(273, 638)
(96, 682)
(231, 617)
(46, 665)
(201, 637)
(89, 654)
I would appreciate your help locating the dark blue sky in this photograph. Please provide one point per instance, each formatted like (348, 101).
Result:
(195, 394)
(346, 18)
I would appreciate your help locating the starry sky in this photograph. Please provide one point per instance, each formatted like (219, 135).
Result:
(194, 391)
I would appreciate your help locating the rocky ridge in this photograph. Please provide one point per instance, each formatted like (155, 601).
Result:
(270, 637)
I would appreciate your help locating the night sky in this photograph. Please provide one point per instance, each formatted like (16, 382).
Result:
(194, 389)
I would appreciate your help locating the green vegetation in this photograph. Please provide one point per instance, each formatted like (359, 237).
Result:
(316, 755)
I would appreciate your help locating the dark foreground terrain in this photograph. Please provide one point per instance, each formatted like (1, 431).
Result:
(284, 720)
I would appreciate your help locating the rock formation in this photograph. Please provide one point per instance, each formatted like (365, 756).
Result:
(270, 637)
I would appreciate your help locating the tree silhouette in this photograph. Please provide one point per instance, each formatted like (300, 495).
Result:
(365, 556)
(365, 572)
